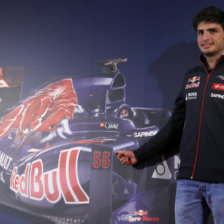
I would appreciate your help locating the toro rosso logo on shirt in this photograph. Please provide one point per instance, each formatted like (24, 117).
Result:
(193, 82)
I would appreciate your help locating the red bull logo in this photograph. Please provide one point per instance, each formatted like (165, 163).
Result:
(141, 212)
(52, 185)
(193, 82)
(194, 79)
(108, 125)
(140, 216)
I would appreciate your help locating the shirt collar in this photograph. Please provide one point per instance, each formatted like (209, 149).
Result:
(219, 62)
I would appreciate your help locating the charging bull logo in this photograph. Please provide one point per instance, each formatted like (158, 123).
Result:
(42, 112)
(51, 185)
(193, 82)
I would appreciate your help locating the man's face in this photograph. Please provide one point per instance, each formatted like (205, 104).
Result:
(210, 38)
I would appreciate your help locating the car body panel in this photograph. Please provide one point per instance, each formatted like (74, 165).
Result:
(57, 150)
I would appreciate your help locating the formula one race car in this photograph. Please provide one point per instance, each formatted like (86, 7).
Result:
(56, 151)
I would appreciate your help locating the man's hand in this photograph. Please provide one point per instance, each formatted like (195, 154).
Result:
(127, 157)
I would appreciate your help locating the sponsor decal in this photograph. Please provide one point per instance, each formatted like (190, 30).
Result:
(191, 96)
(62, 182)
(216, 95)
(162, 170)
(176, 166)
(2, 177)
(3, 83)
(139, 216)
(5, 160)
(218, 86)
(140, 134)
(141, 212)
(108, 125)
(193, 82)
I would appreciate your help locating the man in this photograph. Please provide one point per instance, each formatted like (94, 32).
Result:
(199, 116)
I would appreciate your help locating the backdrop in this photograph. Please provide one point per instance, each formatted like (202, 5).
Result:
(54, 40)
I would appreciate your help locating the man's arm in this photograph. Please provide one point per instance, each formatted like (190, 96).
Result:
(161, 141)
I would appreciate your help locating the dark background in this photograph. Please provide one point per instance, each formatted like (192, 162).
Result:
(51, 38)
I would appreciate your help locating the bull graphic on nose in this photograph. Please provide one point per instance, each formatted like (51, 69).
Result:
(42, 112)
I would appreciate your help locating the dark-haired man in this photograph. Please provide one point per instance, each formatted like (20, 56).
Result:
(199, 116)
